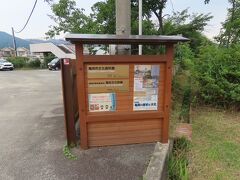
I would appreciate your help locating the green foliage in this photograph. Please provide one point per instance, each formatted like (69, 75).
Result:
(24, 62)
(188, 25)
(18, 62)
(47, 58)
(183, 22)
(102, 20)
(183, 65)
(68, 18)
(212, 78)
(156, 7)
(104, 17)
(178, 161)
(186, 104)
(34, 63)
(218, 74)
(183, 56)
(68, 154)
(181, 145)
(230, 32)
(182, 80)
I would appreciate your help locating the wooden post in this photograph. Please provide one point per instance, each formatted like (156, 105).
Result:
(168, 92)
(123, 23)
(81, 96)
(67, 81)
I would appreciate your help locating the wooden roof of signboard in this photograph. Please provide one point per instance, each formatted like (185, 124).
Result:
(119, 39)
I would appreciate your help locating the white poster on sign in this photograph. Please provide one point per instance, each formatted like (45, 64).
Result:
(102, 102)
(146, 78)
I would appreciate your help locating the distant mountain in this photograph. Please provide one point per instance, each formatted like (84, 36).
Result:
(7, 41)
(35, 41)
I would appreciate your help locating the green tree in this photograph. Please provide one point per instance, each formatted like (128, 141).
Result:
(230, 32)
(102, 20)
(217, 71)
(156, 7)
(188, 25)
(69, 18)
(103, 15)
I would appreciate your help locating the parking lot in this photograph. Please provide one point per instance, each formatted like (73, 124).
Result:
(32, 135)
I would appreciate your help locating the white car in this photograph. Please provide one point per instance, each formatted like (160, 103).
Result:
(4, 64)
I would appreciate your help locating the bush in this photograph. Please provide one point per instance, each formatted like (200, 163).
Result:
(183, 56)
(24, 62)
(18, 62)
(218, 74)
(34, 63)
(182, 80)
(213, 75)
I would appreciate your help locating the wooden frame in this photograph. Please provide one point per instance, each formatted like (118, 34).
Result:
(124, 126)
(161, 115)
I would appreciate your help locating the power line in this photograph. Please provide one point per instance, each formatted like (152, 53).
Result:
(28, 18)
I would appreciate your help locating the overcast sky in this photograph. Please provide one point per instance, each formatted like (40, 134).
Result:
(14, 13)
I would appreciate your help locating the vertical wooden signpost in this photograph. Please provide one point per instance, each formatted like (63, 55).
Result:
(68, 74)
(123, 99)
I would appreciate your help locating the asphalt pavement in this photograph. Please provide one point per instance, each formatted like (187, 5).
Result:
(32, 136)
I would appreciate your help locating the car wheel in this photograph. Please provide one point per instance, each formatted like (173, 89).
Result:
(56, 68)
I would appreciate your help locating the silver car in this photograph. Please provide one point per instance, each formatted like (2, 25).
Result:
(4, 64)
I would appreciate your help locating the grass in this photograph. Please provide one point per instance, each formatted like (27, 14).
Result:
(178, 160)
(215, 150)
(67, 153)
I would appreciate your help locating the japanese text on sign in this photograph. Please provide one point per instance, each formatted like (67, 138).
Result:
(146, 78)
(101, 102)
(95, 86)
(108, 71)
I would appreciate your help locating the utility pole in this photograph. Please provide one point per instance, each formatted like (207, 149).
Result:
(140, 25)
(123, 23)
(14, 42)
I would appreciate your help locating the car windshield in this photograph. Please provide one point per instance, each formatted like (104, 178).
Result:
(3, 60)
(54, 60)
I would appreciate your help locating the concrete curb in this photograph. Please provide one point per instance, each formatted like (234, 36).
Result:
(157, 169)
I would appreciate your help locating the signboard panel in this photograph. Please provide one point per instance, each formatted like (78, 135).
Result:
(109, 85)
(146, 78)
(102, 102)
(108, 71)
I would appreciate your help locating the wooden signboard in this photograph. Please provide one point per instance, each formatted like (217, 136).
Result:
(123, 99)
(138, 104)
